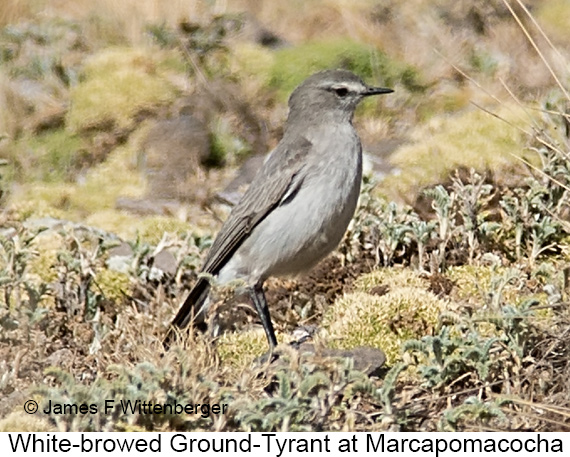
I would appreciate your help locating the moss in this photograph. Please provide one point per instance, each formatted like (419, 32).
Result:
(116, 176)
(152, 228)
(554, 16)
(473, 139)
(250, 61)
(51, 156)
(474, 283)
(118, 84)
(38, 200)
(121, 223)
(21, 422)
(113, 284)
(102, 185)
(406, 310)
(90, 200)
(293, 65)
(225, 144)
(241, 349)
(390, 278)
(384, 322)
(42, 265)
(447, 100)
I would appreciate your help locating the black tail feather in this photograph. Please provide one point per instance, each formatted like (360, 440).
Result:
(188, 310)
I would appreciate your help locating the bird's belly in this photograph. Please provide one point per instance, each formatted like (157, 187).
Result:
(297, 235)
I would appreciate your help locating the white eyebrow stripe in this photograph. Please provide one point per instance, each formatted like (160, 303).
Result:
(350, 86)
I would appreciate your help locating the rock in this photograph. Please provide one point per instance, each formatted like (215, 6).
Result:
(122, 250)
(60, 358)
(164, 262)
(369, 360)
(377, 157)
(366, 359)
(173, 155)
(120, 258)
(253, 30)
(150, 206)
(236, 188)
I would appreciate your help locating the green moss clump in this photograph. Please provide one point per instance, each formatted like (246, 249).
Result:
(446, 99)
(225, 145)
(554, 16)
(474, 139)
(384, 322)
(18, 421)
(113, 284)
(241, 349)
(50, 157)
(472, 282)
(117, 84)
(42, 265)
(477, 284)
(406, 311)
(293, 65)
(40, 200)
(390, 278)
(115, 177)
(91, 201)
(250, 61)
(151, 229)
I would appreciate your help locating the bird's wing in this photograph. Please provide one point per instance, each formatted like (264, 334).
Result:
(275, 183)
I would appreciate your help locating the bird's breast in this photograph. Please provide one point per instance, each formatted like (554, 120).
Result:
(310, 224)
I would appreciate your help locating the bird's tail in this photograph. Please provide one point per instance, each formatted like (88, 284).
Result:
(190, 310)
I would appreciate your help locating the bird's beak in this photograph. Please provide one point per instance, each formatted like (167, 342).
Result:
(376, 91)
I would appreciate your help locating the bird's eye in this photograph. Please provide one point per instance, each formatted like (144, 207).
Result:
(341, 91)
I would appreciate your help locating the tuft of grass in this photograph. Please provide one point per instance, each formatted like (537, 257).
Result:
(240, 349)
(118, 84)
(153, 228)
(251, 61)
(22, 422)
(50, 157)
(403, 309)
(554, 16)
(473, 139)
(292, 65)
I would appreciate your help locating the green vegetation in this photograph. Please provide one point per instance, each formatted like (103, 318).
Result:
(293, 65)
(50, 157)
(473, 139)
(117, 85)
(90, 199)
(554, 15)
(404, 309)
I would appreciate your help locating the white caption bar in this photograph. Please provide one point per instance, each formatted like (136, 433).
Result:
(288, 444)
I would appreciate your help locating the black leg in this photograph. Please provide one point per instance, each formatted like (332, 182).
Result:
(260, 303)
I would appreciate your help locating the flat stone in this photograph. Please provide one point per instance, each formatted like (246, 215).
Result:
(367, 359)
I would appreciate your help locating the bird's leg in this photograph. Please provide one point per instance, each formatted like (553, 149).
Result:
(260, 304)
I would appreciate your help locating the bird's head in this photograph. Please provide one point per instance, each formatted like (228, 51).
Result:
(333, 93)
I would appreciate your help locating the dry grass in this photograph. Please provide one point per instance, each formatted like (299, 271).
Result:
(12, 11)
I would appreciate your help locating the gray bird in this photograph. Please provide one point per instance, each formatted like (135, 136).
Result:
(299, 205)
